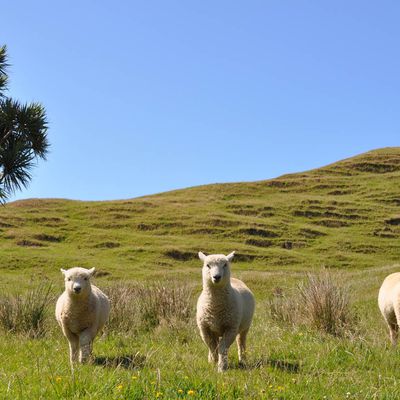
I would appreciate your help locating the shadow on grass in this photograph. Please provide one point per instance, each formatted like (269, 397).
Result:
(127, 361)
(287, 366)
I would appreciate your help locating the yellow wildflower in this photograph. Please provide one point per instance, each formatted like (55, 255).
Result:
(58, 379)
(180, 391)
(119, 387)
(159, 394)
(190, 392)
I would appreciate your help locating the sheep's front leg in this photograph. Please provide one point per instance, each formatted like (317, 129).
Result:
(73, 349)
(85, 343)
(241, 343)
(227, 339)
(213, 354)
(211, 340)
(73, 341)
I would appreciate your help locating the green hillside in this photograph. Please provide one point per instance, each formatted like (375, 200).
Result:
(344, 215)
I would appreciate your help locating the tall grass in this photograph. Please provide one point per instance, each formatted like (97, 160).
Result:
(320, 302)
(26, 314)
(141, 307)
(326, 304)
(134, 307)
(283, 308)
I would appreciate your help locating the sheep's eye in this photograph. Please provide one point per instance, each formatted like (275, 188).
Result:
(85, 279)
(224, 265)
(208, 266)
(69, 279)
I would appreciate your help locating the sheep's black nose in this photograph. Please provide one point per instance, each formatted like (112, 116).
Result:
(217, 278)
(77, 289)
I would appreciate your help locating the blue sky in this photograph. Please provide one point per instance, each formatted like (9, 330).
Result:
(144, 97)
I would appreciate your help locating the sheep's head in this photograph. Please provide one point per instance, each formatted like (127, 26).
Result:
(77, 280)
(216, 268)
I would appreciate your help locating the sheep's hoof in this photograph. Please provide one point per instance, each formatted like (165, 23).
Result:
(222, 368)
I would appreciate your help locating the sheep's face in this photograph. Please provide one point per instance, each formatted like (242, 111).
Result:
(216, 268)
(77, 280)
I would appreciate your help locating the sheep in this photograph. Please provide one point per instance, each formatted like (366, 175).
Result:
(389, 304)
(81, 311)
(225, 310)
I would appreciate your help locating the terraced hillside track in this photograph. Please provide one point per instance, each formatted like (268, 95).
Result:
(344, 215)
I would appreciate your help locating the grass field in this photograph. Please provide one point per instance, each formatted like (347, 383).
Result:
(344, 217)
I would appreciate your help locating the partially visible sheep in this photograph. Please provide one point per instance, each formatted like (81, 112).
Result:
(81, 311)
(389, 304)
(225, 309)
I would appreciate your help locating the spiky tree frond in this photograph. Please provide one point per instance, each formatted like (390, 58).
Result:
(3, 67)
(17, 158)
(26, 122)
(23, 137)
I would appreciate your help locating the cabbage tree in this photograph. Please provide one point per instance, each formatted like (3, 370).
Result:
(23, 136)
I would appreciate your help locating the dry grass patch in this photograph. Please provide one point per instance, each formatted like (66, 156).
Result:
(26, 314)
(320, 302)
(141, 307)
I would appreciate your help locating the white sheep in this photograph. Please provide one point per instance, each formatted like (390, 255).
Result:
(225, 309)
(389, 304)
(81, 311)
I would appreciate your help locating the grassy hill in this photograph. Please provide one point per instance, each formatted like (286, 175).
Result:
(345, 216)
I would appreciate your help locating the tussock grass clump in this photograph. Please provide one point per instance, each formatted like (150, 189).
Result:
(320, 302)
(26, 314)
(282, 308)
(326, 304)
(140, 307)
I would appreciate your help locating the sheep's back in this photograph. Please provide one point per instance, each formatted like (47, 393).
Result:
(103, 305)
(59, 307)
(247, 301)
(389, 293)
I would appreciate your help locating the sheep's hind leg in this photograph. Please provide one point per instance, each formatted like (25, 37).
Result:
(394, 333)
(393, 324)
(227, 339)
(241, 344)
(211, 340)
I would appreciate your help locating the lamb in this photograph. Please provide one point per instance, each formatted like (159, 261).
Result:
(81, 311)
(225, 309)
(389, 304)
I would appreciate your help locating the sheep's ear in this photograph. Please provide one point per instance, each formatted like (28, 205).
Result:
(63, 271)
(202, 256)
(230, 256)
(92, 271)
